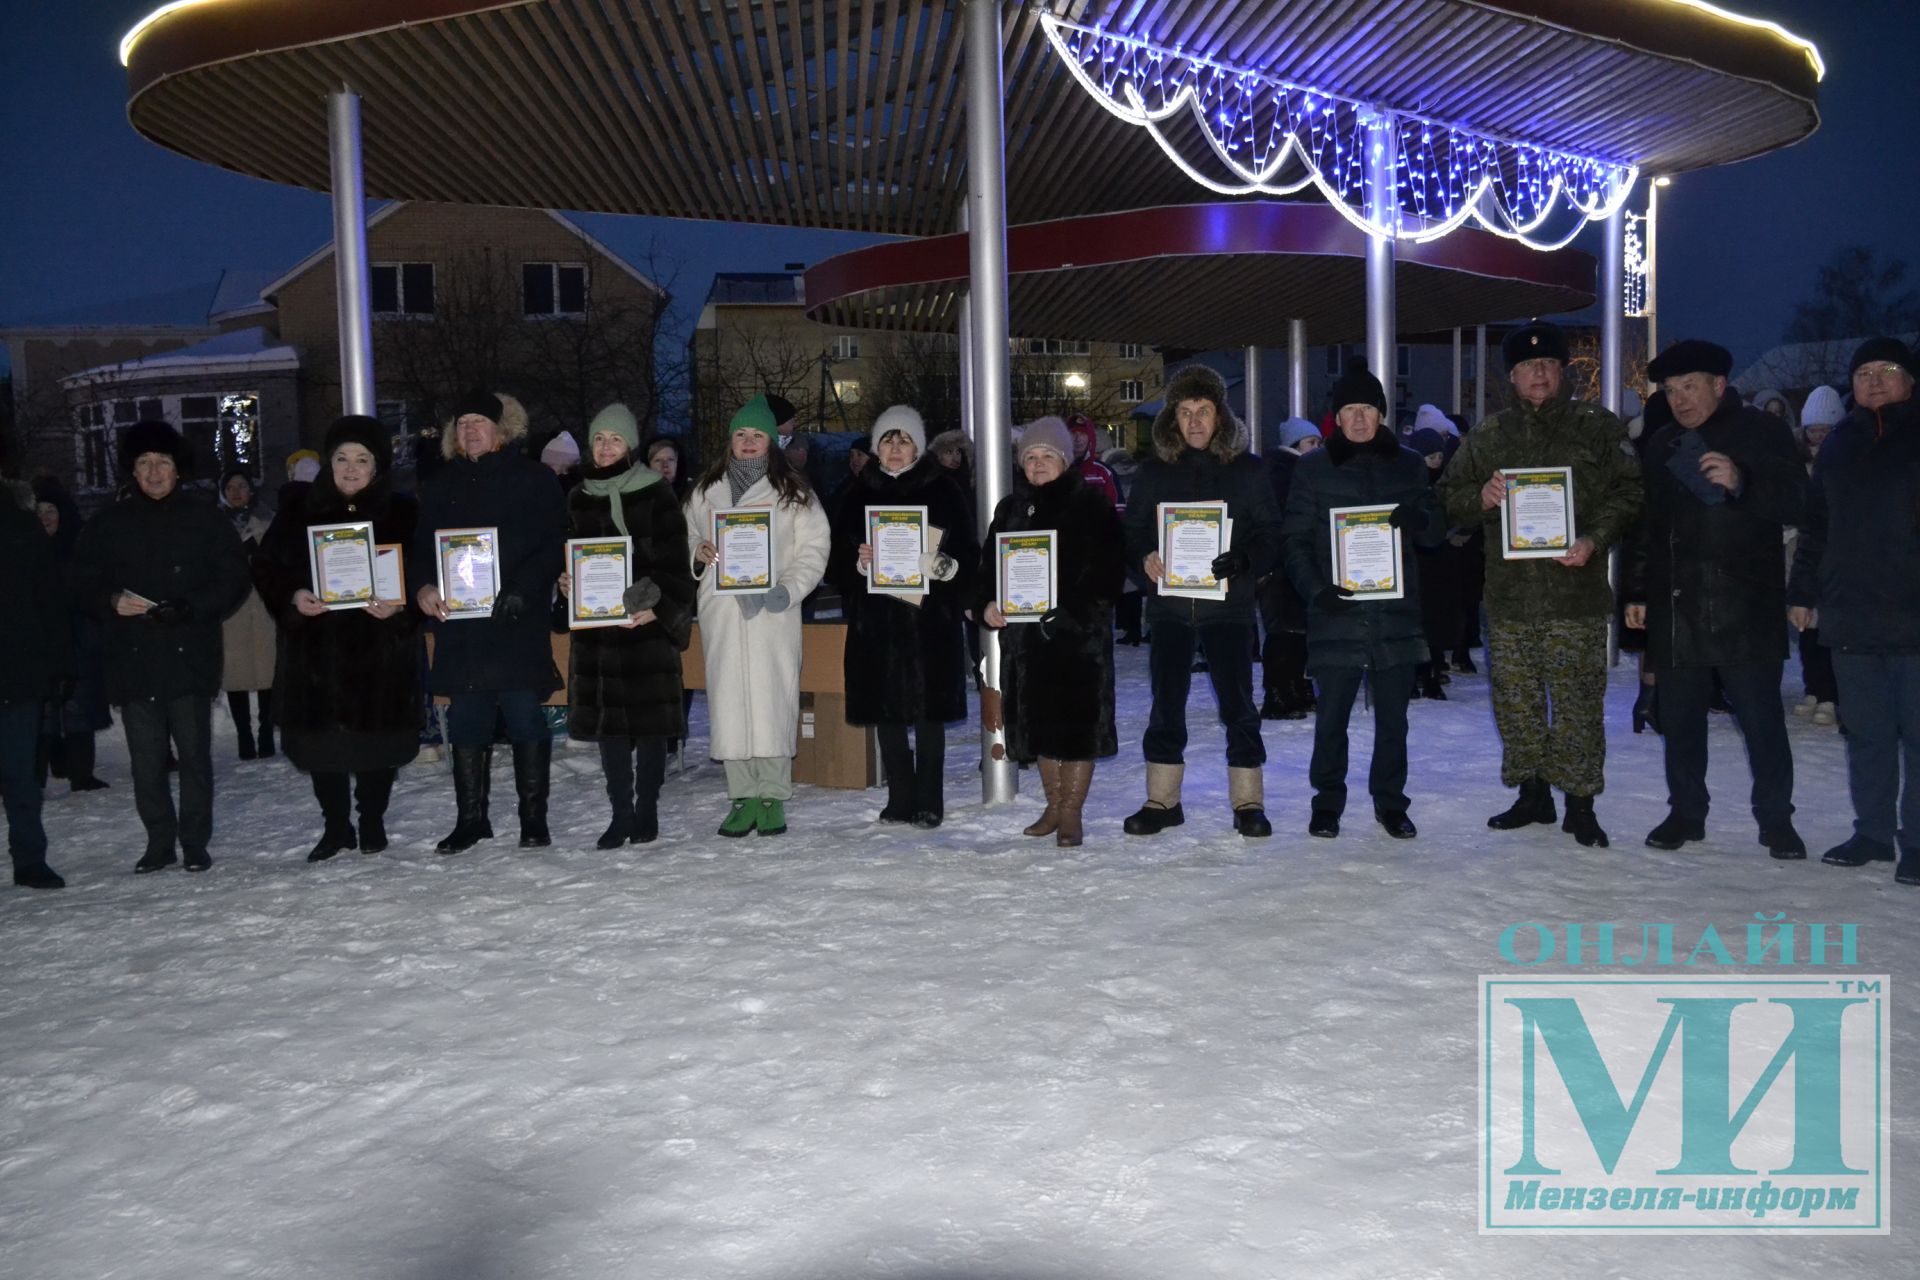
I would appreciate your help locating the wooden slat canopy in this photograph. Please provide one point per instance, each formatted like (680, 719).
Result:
(848, 113)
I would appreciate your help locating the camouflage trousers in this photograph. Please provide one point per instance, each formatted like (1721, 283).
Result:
(1549, 701)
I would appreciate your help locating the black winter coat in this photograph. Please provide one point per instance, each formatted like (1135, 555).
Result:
(512, 650)
(1372, 633)
(346, 685)
(177, 549)
(1056, 687)
(1710, 573)
(621, 683)
(905, 662)
(1199, 475)
(85, 711)
(1858, 556)
(33, 626)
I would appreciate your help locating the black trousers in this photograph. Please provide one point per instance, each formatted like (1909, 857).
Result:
(1228, 649)
(916, 775)
(1283, 660)
(1392, 688)
(372, 788)
(1753, 691)
(188, 723)
(1816, 668)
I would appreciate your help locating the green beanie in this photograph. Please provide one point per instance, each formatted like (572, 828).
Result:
(618, 419)
(756, 415)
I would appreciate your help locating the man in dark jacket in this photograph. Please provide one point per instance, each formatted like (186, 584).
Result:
(1200, 455)
(1722, 483)
(33, 635)
(163, 568)
(1856, 576)
(1547, 639)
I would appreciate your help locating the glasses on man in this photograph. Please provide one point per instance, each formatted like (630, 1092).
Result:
(1871, 371)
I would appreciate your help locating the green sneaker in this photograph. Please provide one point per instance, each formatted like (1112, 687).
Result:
(773, 818)
(739, 819)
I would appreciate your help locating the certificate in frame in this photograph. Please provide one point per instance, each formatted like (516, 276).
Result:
(340, 557)
(1536, 516)
(599, 571)
(390, 573)
(1369, 558)
(898, 536)
(467, 562)
(743, 539)
(1192, 536)
(1027, 566)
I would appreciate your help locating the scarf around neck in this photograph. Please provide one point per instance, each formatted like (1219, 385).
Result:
(611, 482)
(743, 474)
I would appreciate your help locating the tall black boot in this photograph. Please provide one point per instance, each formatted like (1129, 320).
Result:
(55, 745)
(929, 774)
(266, 723)
(472, 767)
(1581, 823)
(373, 788)
(650, 771)
(616, 762)
(896, 758)
(242, 723)
(332, 791)
(532, 763)
(80, 762)
(1534, 805)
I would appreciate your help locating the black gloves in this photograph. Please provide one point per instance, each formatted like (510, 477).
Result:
(1333, 599)
(1231, 564)
(641, 596)
(171, 612)
(1411, 517)
(1057, 624)
(508, 606)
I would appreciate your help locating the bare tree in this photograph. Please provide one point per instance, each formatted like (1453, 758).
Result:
(1583, 369)
(1856, 295)
(740, 363)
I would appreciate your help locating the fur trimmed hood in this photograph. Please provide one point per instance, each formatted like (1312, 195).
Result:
(512, 423)
(1198, 382)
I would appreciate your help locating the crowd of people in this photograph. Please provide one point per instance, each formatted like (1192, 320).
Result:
(164, 600)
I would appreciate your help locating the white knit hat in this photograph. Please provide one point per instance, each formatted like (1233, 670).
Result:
(1432, 418)
(1822, 408)
(906, 420)
(561, 451)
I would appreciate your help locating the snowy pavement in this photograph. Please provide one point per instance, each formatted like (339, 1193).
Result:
(852, 1051)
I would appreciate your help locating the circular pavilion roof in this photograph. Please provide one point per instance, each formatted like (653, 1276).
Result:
(849, 113)
(1203, 276)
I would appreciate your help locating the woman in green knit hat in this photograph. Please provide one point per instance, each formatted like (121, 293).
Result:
(623, 683)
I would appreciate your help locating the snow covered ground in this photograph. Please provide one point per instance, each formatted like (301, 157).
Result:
(851, 1051)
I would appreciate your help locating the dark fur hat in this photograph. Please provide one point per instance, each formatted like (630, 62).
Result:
(154, 436)
(369, 433)
(1536, 341)
(1197, 382)
(1690, 355)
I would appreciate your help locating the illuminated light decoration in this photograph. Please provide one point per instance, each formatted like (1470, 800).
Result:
(1636, 266)
(139, 28)
(1275, 137)
(1740, 19)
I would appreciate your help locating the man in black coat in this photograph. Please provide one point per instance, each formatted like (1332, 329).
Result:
(1200, 455)
(33, 635)
(163, 568)
(1856, 576)
(1723, 480)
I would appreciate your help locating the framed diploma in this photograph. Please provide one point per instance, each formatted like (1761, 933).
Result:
(743, 536)
(1368, 557)
(599, 571)
(1029, 569)
(341, 557)
(1192, 536)
(898, 536)
(468, 564)
(1536, 520)
(389, 573)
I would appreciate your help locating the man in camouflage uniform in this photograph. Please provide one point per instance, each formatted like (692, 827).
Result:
(1547, 642)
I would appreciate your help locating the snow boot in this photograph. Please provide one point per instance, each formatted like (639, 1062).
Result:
(1534, 805)
(1075, 779)
(532, 775)
(472, 772)
(1049, 820)
(1858, 851)
(770, 818)
(1581, 823)
(1162, 809)
(1673, 832)
(1246, 791)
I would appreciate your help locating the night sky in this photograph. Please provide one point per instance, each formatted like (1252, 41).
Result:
(97, 213)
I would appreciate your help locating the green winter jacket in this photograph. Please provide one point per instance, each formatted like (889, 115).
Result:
(1606, 500)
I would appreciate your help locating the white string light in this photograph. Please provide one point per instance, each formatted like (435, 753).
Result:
(1274, 137)
(1637, 263)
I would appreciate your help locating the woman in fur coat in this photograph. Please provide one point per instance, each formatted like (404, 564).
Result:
(1056, 675)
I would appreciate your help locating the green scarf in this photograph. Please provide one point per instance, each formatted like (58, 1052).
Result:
(611, 482)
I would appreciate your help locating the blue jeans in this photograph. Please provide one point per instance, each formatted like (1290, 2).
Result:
(470, 717)
(19, 737)
(1881, 692)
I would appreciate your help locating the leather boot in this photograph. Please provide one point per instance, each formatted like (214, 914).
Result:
(1075, 777)
(650, 772)
(1581, 823)
(80, 760)
(374, 789)
(616, 764)
(332, 791)
(1534, 805)
(1049, 820)
(532, 765)
(1247, 790)
(1162, 809)
(472, 767)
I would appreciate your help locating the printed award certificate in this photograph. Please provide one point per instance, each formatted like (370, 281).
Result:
(599, 571)
(341, 557)
(1536, 520)
(389, 573)
(1367, 552)
(1029, 566)
(898, 536)
(468, 561)
(1192, 536)
(743, 536)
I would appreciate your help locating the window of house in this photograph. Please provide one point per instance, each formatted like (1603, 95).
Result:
(95, 446)
(401, 288)
(238, 438)
(847, 389)
(199, 422)
(553, 288)
(1336, 359)
(1403, 361)
(1129, 351)
(846, 347)
(1132, 390)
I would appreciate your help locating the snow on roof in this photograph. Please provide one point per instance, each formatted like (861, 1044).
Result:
(239, 290)
(242, 351)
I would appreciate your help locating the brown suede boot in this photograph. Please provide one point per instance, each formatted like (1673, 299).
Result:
(1076, 776)
(1048, 821)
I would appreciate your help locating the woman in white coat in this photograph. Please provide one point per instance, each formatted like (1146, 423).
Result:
(752, 642)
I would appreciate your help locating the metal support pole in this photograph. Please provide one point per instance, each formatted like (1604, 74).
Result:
(987, 292)
(1297, 368)
(1383, 211)
(350, 254)
(1250, 384)
(1613, 306)
(1459, 390)
(1479, 374)
(1653, 268)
